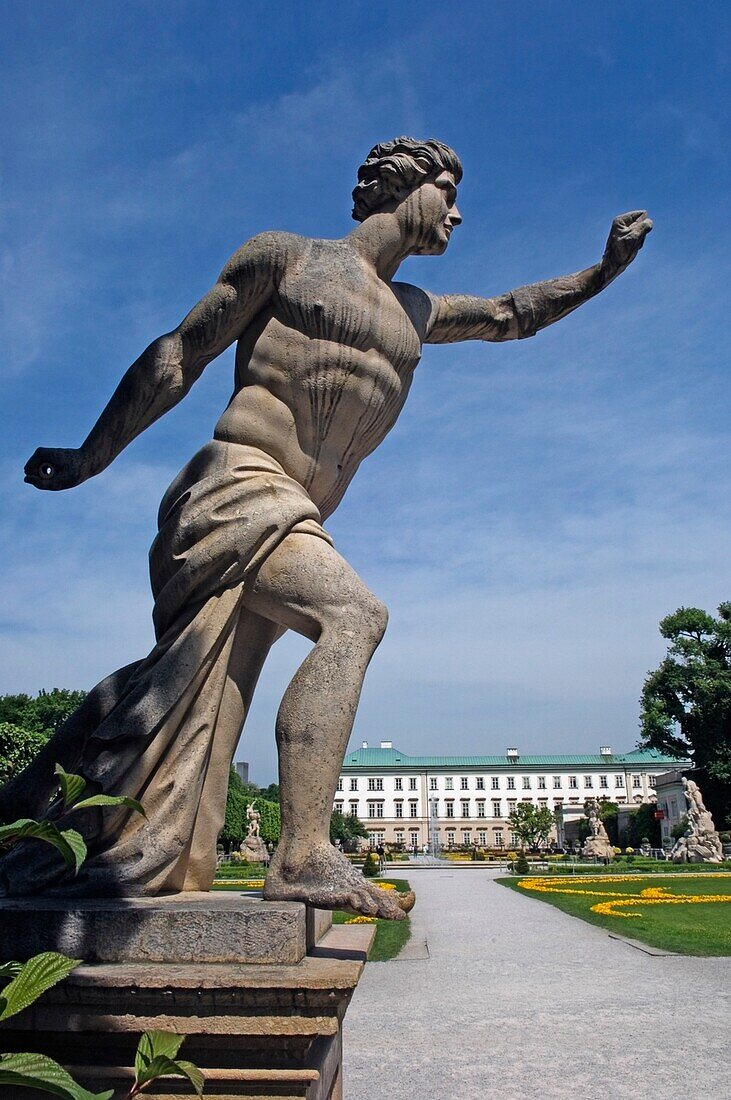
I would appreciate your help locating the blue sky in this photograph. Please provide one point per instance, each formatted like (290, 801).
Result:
(539, 506)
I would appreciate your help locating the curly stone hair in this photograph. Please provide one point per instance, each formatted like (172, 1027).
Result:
(394, 168)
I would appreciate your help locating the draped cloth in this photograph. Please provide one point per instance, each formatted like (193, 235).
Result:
(164, 730)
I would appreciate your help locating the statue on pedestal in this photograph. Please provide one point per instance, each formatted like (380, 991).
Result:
(327, 344)
(597, 844)
(254, 847)
(700, 843)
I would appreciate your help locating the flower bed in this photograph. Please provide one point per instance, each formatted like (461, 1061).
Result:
(688, 914)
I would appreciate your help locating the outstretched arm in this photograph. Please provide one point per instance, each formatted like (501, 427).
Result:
(167, 369)
(525, 311)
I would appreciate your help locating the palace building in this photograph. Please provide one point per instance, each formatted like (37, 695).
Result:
(446, 801)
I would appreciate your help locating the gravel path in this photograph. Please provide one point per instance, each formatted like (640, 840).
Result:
(517, 1000)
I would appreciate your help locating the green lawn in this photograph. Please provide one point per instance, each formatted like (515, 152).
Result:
(700, 928)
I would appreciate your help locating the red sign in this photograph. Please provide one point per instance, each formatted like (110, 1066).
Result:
(659, 815)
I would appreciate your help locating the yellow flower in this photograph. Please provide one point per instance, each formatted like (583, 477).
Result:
(361, 920)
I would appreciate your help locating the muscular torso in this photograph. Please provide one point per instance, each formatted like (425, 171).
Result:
(323, 372)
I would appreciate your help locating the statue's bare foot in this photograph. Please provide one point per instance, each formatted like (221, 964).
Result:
(323, 877)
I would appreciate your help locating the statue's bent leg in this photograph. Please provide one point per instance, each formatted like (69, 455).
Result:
(305, 585)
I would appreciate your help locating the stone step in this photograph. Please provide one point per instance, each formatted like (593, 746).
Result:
(278, 1084)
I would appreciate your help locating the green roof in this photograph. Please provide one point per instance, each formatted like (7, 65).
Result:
(393, 758)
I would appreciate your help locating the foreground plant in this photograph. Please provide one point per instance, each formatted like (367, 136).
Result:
(21, 984)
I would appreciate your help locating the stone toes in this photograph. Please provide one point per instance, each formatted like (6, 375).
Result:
(407, 901)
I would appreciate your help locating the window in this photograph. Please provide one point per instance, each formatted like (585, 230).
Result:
(636, 781)
(526, 782)
(541, 782)
(340, 783)
(375, 784)
(652, 780)
(557, 782)
(399, 809)
(338, 807)
(542, 803)
(353, 808)
(588, 782)
(619, 781)
(399, 836)
(450, 837)
(354, 784)
(373, 808)
(496, 808)
(412, 783)
(604, 781)
(465, 807)
(482, 838)
(573, 802)
(498, 834)
(412, 809)
(511, 783)
(376, 838)
(463, 784)
(432, 783)
(514, 839)
(466, 837)
(480, 783)
(495, 783)
(449, 783)
(480, 807)
(450, 808)
(434, 807)
(511, 805)
(573, 783)
(398, 783)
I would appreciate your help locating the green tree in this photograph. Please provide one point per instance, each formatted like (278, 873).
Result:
(532, 824)
(347, 829)
(18, 746)
(235, 824)
(686, 702)
(270, 793)
(42, 713)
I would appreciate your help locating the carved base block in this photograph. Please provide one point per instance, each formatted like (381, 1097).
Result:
(216, 927)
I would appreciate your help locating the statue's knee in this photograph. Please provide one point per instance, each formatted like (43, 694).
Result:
(373, 616)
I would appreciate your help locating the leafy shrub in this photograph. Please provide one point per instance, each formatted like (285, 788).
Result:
(521, 864)
(370, 867)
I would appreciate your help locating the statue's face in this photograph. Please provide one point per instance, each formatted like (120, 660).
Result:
(431, 210)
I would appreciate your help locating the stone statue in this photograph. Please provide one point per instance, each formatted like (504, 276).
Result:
(327, 343)
(254, 847)
(597, 844)
(700, 843)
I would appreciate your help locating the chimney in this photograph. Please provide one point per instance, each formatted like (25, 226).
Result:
(605, 750)
(365, 744)
(386, 744)
(512, 755)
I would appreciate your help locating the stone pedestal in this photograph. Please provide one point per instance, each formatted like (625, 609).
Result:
(255, 1029)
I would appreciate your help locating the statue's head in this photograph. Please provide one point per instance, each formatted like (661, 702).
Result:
(418, 177)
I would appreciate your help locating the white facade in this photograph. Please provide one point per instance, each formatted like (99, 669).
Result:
(454, 801)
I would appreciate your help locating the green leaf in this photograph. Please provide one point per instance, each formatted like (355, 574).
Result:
(10, 970)
(72, 786)
(77, 844)
(154, 1044)
(35, 1071)
(35, 977)
(66, 842)
(110, 800)
(162, 1066)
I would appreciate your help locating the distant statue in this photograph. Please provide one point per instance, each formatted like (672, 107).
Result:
(253, 818)
(327, 341)
(700, 843)
(597, 844)
(254, 848)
